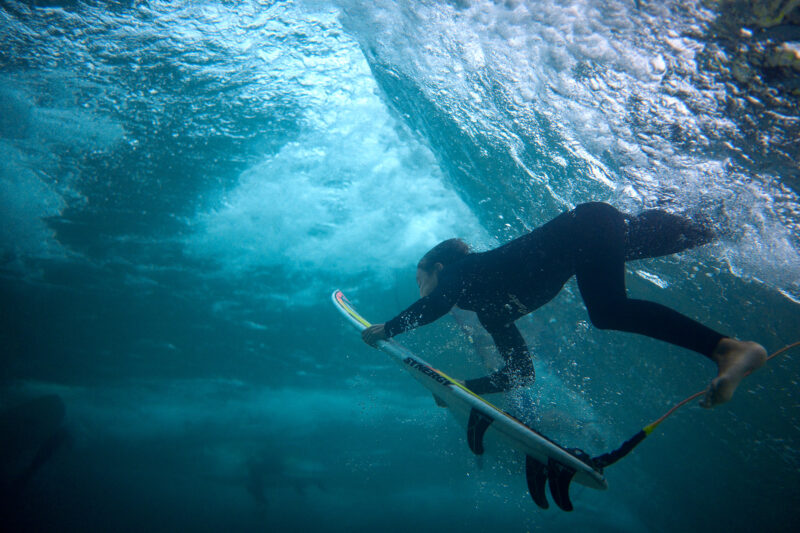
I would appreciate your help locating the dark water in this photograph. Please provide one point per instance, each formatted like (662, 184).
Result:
(184, 183)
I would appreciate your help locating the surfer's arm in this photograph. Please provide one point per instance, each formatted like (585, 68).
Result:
(518, 368)
(423, 311)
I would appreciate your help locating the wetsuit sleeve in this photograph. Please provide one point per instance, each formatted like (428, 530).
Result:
(518, 369)
(423, 311)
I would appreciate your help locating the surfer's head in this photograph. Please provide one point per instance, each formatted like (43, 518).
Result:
(440, 256)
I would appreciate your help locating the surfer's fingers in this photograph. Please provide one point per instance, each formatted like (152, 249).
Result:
(366, 335)
(373, 334)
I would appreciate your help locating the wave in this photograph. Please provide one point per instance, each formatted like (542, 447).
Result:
(535, 107)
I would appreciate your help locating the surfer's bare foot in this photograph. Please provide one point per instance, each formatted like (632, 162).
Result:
(735, 359)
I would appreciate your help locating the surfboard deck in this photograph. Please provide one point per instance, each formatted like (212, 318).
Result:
(491, 428)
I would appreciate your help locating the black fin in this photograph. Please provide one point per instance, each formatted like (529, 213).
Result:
(476, 427)
(439, 401)
(560, 477)
(536, 475)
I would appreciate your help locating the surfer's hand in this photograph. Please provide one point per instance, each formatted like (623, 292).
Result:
(373, 334)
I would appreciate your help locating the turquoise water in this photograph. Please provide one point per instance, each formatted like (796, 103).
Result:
(184, 183)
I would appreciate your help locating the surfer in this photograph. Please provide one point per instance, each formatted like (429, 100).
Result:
(592, 242)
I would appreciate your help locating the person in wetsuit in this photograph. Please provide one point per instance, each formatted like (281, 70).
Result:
(592, 242)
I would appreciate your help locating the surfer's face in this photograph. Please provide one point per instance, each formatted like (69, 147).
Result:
(427, 281)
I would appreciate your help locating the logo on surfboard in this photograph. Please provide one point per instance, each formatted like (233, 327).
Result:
(428, 371)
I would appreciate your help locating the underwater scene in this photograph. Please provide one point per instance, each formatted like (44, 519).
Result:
(184, 183)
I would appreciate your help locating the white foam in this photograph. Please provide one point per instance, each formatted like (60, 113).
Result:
(354, 192)
(652, 278)
(317, 205)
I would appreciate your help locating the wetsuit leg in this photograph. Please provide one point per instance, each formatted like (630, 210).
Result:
(518, 370)
(655, 233)
(600, 253)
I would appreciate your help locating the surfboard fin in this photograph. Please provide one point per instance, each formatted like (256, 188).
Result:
(536, 475)
(476, 427)
(560, 476)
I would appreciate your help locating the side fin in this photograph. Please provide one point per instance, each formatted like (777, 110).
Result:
(476, 427)
(536, 475)
(560, 477)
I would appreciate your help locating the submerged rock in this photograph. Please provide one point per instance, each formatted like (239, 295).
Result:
(762, 38)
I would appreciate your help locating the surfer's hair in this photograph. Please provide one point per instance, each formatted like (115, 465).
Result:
(446, 252)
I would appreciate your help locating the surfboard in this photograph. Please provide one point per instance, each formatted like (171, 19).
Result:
(546, 462)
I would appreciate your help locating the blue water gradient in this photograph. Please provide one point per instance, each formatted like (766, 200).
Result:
(184, 183)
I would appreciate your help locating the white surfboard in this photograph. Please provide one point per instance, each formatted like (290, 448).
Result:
(491, 428)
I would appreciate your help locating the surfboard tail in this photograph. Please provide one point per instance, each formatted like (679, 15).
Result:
(557, 475)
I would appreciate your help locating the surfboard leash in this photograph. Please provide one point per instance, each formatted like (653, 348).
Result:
(606, 459)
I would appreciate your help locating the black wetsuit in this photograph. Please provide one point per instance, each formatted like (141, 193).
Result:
(591, 242)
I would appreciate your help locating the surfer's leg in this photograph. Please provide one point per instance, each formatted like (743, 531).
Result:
(600, 272)
(509, 377)
(655, 233)
(518, 369)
